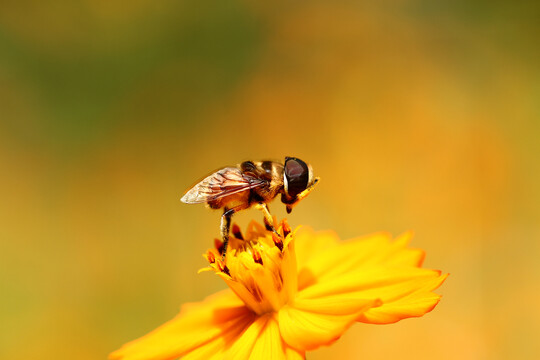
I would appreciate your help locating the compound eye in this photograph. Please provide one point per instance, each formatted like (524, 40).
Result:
(297, 173)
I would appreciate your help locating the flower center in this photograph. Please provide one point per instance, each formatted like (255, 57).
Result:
(260, 267)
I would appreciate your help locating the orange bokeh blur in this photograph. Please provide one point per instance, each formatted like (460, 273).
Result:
(416, 115)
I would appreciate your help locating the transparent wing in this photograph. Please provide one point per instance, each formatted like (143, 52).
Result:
(224, 182)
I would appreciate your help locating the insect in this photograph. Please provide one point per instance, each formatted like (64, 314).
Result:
(253, 184)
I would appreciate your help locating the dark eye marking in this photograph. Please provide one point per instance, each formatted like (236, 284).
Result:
(297, 174)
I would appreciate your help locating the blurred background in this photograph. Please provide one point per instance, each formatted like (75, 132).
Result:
(421, 115)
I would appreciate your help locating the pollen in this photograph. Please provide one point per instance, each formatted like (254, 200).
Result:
(257, 256)
(277, 241)
(210, 257)
(286, 229)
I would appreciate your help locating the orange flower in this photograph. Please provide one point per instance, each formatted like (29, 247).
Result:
(293, 294)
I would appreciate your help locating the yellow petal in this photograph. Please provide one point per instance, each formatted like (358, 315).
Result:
(403, 291)
(245, 344)
(293, 354)
(416, 303)
(217, 348)
(400, 255)
(269, 344)
(308, 243)
(262, 340)
(352, 255)
(196, 325)
(209, 351)
(310, 324)
(372, 280)
(336, 305)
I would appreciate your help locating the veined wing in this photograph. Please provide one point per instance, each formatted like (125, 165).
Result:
(224, 182)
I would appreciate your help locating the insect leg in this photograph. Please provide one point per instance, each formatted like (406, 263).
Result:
(226, 226)
(268, 219)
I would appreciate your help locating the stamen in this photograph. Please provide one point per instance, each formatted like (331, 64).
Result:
(222, 267)
(236, 232)
(278, 242)
(286, 229)
(263, 288)
(211, 257)
(257, 256)
(218, 244)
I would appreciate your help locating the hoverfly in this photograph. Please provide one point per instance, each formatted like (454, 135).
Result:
(253, 184)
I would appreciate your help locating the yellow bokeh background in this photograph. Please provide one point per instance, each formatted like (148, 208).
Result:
(420, 115)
